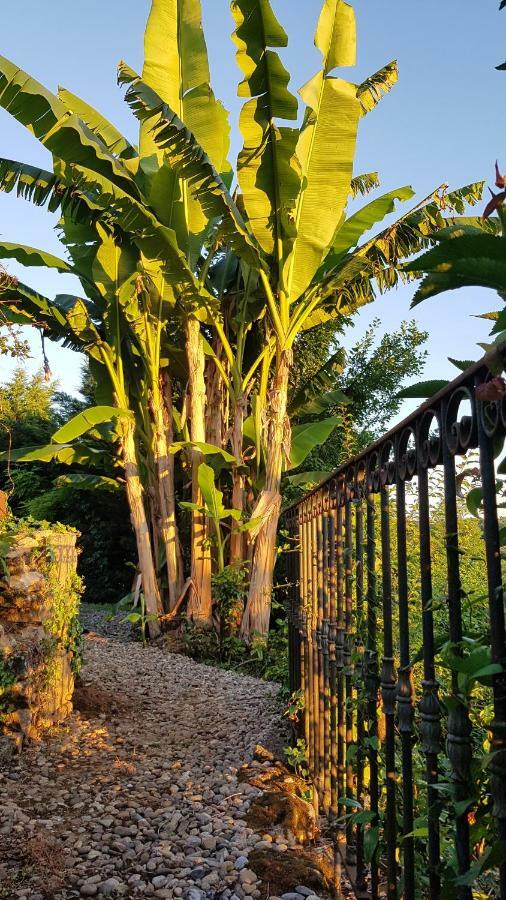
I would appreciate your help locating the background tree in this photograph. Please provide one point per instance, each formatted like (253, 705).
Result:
(366, 381)
(31, 410)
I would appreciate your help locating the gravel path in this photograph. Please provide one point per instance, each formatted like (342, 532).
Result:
(137, 795)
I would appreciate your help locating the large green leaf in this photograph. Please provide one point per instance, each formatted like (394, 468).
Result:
(24, 306)
(213, 498)
(321, 403)
(42, 187)
(377, 262)
(353, 228)
(307, 479)
(156, 242)
(85, 421)
(364, 184)
(449, 255)
(423, 389)
(66, 454)
(336, 35)
(81, 242)
(320, 390)
(306, 437)
(85, 196)
(268, 173)
(326, 146)
(67, 319)
(108, 133)
(84, 482)
(114, 264)
(176, 68)
(205, 450)
(371, 91)
(61, 131)
(188, 159)
(30, 256)
(472, 259)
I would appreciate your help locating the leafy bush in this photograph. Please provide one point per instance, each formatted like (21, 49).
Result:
(106, 540)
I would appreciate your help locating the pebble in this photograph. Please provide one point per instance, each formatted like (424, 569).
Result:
(109, 887)
(247, 876)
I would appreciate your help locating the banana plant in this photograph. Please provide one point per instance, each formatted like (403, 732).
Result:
(149, 231)
(215, 511)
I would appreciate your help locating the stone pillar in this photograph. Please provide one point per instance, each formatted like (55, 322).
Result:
(39, 631)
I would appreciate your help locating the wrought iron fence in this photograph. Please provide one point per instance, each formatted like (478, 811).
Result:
(393, 767)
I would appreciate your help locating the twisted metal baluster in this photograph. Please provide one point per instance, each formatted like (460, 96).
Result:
(497, 767)
(388, 696)
(372, 680)
(405, 696)
(459, 726)
(316, 659)
(359, 591)
(334, 780)
(326, 663)
(429, 705)
(321, 659)
(308, 644)
(348, 644)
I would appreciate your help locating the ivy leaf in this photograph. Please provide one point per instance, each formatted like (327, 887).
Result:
(494, 856)
(474, 500)
(371, 840)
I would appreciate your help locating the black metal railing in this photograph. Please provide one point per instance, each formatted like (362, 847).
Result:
(394, 768)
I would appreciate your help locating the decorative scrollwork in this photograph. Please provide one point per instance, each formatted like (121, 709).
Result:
(406, 456)
(360, 480)
(429, 443)
(333, 492)
(461, 434)
(387, 460)
(373, 464)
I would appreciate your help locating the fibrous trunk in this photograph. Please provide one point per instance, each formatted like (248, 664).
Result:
(164, 462)
(200, 599)
(237, 537)
(217, 406)
(255, 624)
(135, 495)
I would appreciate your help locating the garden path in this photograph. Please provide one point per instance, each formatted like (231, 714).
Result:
(137, 794)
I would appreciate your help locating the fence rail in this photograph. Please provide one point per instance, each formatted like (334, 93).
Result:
(372, 700)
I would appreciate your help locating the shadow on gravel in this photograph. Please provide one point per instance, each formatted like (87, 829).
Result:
(92, 700)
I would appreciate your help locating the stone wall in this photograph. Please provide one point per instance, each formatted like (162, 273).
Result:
(39, 631)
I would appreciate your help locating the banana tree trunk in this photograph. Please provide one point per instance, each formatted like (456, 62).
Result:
(200, 599)
(135, 495)
(167, 502)
(237, 544)
(216, 409)
(255, 623)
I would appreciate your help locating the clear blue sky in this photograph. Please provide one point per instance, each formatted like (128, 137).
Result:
(443, 122)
